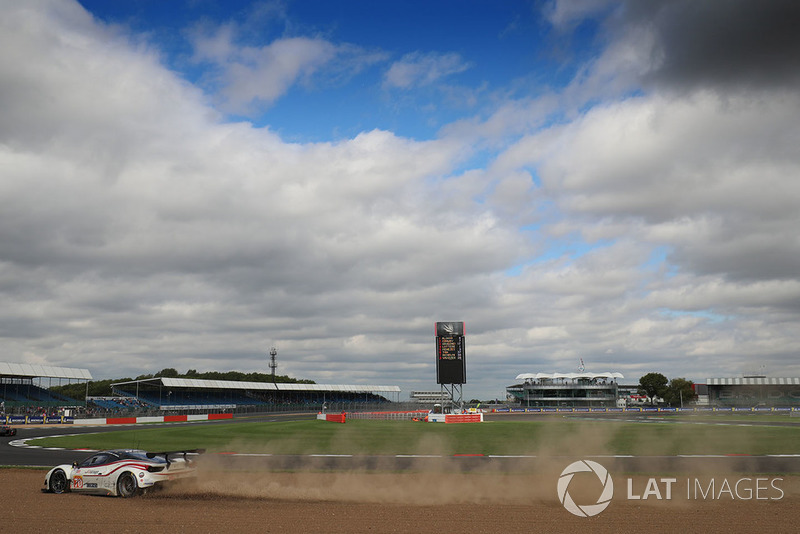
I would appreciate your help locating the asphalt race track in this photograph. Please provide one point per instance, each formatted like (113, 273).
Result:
(34, 456)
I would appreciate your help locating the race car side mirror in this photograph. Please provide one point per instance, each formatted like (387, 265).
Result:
(75, 464)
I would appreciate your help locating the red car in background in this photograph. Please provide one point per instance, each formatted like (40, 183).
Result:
(6, 430)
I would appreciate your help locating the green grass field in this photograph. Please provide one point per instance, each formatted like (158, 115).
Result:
(551, 436)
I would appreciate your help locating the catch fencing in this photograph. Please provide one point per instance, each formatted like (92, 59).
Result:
(389, 416)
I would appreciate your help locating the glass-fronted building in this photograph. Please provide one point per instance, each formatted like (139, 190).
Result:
(567, 390)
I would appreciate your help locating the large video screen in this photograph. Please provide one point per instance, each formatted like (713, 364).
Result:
(450, 353)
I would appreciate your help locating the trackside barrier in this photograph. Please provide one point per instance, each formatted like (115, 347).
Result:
(34, 420)
(464, 418)
(455, 418)
(419, 415)
(17, 419)
(654, 409)
(122, 420)
(332, 417)
(397, 416)
(153, 419)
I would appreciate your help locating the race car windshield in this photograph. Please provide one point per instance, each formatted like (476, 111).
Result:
(98, 459)
(141, 455)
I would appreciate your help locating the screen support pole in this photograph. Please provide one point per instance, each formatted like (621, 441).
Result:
(455, 397)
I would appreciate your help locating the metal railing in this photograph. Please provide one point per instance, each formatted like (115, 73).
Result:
(388, 416)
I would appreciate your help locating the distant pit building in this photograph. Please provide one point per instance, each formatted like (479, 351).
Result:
(429, 397)
(574, 390)
(602, 390)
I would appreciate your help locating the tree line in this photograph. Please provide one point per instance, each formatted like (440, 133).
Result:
(674, 392)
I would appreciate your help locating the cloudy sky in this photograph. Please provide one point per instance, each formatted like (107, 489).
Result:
(187, 184)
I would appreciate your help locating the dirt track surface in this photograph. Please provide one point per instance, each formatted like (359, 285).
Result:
(359, 502)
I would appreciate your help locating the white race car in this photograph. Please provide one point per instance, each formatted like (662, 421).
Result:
(121, 472)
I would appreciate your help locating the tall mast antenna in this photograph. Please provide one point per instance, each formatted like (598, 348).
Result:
(273, 352)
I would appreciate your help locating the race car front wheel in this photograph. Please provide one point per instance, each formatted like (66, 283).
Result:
(58, 482)
(126, 485)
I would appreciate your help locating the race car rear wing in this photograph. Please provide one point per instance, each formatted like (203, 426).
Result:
(166, 454)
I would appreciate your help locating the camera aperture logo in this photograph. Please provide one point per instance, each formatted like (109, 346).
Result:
(744, 488)
(585, 510)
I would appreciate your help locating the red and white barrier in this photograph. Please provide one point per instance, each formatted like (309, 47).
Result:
(332, 417)
(455, 417)
(153, 419)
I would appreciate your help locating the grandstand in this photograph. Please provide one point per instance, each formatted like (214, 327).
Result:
(754, 391)
(22, 385)
(116, 404)
(24, 389)
(181, 394)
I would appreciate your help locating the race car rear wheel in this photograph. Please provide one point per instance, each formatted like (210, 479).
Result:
(126, 485)
(58, 482)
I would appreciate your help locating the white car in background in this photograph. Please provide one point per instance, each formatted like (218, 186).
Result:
(121, 472)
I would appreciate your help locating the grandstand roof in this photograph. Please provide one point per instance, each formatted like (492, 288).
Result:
(278, 386)
(751, 381)
(571, 376)
(27, 370)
